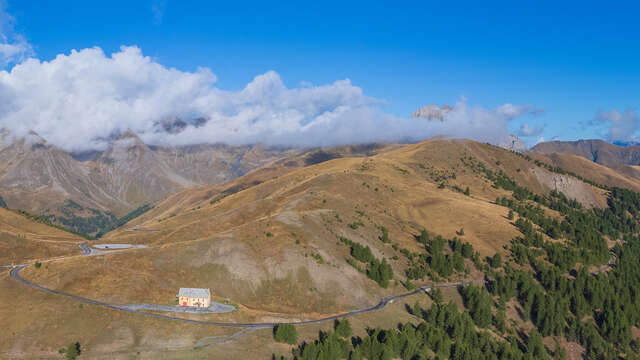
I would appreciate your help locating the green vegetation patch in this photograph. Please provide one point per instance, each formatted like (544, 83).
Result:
(95, 225)
(379, 271)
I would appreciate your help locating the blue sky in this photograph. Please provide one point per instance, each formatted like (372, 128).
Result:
(573, 59)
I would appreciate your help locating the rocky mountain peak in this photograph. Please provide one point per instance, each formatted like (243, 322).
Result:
(513, 143)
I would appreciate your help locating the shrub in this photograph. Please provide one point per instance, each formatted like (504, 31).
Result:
(38, 264)
(385, 235)
(285, 333)
(496, 261)
(343, 328)
(71, 352)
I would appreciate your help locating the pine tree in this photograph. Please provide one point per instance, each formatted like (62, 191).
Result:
(343, 328)
(496, 261)
(286, 333)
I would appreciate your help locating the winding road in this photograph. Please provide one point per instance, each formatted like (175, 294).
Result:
(87, 251)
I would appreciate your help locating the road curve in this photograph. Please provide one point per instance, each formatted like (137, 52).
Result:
(15, 274)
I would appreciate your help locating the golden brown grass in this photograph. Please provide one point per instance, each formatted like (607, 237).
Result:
(23, 240)
(272, 246)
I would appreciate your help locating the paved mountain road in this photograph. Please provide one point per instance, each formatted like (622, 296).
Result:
(87, 251)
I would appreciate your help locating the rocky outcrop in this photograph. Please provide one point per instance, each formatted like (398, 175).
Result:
(38, 177)
(571, 187)
(513, 143)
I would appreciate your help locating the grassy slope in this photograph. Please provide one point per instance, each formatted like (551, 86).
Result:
(23, 240)
(255, 245)
(624, 177)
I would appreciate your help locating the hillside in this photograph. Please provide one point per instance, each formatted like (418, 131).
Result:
(89, 191)
(318, 234)
(622, 177)
(619, 158)
(23, 239)
(275, 243)
(94, 188)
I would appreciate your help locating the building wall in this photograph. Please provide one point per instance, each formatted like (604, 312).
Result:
(204, 302)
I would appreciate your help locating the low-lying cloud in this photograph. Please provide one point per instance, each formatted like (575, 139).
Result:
(526, 130)
(622, 125)
(14, 48)
(80, 101)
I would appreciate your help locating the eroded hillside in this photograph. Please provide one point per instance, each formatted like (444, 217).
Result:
(273, 245)
(316, 234)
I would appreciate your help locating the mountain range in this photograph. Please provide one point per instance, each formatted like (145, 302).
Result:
(90, 192)
(284, 234)
(45, 180)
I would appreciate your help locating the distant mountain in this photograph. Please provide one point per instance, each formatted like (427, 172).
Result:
(513, 143)
(78, 188)
(89, 192)
(598, 151)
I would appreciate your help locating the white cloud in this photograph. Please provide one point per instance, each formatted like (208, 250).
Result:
(526, 130)
(622, 125)
(81, 100)
(513, 111)
(14, 48)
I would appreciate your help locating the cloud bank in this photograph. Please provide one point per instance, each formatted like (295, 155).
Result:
(526, 130)
(622, 125)
(14, 48)
(82, 100)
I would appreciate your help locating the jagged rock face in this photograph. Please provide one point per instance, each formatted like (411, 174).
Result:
(569, 186)
(215, 164)
(513, 143)
(134, 174)
(34, 175)
(37, 176)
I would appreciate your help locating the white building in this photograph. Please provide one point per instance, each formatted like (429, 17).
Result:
(194, 297)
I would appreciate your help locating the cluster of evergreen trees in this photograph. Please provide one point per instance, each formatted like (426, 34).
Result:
(549, 280)
(95, 225)
(377, 270)
(443, 332)
(479, 303)
(564, 299)
(437, 259)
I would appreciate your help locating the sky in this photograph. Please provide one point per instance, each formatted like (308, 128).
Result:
(318, 73)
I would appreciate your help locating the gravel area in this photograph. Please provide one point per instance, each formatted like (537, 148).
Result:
(117, 246)
(215, 308)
